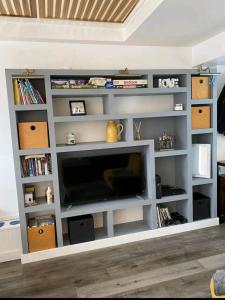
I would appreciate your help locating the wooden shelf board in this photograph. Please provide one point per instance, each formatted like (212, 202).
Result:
(31, 107)
(202, 131)
(203, 102)
(42, 206)
(100, 207)
(159, 154)
(201, 181)
(172, 199)
(34, 152)
(36, 179)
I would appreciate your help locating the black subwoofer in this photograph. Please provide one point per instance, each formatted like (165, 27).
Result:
(81, 229)
(201, 206)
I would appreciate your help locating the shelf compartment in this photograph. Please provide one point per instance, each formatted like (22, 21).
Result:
(173, 172)
(94, 105)
(208, 191)
(182, 79)
(153, 128)
(147, 103)
(180, 207)
(101, 229)
(83, 133)
(125, 223)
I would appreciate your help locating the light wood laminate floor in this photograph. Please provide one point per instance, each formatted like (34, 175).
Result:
(178, 266)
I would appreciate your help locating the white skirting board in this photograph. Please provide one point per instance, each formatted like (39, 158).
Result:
(10, 243)
(116, 241)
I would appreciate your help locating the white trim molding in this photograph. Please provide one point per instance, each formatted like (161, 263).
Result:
(116, 241)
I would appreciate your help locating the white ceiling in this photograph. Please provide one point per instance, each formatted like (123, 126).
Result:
(181, 23)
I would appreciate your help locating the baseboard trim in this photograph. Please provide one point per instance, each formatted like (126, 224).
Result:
(116, 241)
(10, 256)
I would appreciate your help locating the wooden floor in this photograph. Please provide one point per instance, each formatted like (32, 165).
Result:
(173, 267)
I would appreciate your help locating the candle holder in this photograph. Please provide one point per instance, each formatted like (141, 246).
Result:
(166, 142)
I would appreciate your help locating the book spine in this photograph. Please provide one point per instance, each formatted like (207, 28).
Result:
(16, 92)
(130, 82)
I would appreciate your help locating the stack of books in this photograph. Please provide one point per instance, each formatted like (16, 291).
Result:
(130, 84)
(36, 165)
(163, 216)
(25, 93)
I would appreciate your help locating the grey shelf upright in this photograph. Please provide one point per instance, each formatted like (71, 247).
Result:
(179, 159)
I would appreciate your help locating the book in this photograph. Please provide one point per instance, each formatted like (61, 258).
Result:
(36, 165)
(16, 92)
(130, 82)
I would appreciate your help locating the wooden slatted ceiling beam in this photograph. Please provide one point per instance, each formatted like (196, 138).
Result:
(88, 9)
(33, 8)
(81, 9)
(96, 9)
(65, 9)
(9, 7)
(58, 8)
(41, 4)
(111, 8)
(73, 9)
(49, 8)
(18, 7)
(3, 11)
(102, 10)
(26, 8)
(128, 10)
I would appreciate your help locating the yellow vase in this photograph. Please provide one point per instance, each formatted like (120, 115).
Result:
(113, 132)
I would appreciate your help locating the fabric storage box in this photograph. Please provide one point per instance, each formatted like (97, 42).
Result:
(201, 117)
(201, 88)
(81, 229)
(33, 135)
(201, 206)
(41, 238)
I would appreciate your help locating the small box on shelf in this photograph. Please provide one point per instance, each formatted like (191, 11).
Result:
(33, 135)
(41, 233)
(201, 88)
(201, 117)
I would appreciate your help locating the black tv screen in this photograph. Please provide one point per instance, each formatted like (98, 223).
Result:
(102, 178)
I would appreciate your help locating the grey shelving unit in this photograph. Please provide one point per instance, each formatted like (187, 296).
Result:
(173, 166)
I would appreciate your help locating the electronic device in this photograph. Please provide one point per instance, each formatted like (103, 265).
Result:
(201, 207)
(101, 178)
(168, 191)
(201, 162)
(81, 229)
(158, 187)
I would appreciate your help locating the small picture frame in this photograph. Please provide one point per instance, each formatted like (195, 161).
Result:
(78, 108)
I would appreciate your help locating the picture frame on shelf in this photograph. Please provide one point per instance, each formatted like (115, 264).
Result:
(78, 108)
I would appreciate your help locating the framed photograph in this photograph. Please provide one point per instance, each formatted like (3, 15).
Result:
(78, 108)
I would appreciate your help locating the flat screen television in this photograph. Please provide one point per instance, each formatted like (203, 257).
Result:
(101, 178)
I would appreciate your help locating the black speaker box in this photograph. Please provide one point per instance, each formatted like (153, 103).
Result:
(158, 187)
(81, 229)
(201, 206)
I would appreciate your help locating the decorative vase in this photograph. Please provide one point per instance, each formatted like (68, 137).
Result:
(113, 132)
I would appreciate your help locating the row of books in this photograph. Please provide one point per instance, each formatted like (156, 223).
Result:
(25, 93)
(163, 216)
(107, 83)
(36, 165)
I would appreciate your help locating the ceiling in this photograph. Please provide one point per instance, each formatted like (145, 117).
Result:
(181, 23)
(110, 11)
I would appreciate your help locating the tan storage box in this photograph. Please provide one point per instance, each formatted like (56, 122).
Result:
(201, 117)
(41, 238)
(201, 88)
(33, 135)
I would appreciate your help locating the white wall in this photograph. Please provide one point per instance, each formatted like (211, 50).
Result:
(56, 55)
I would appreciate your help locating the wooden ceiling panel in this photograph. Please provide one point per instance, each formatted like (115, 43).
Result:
(114, 11)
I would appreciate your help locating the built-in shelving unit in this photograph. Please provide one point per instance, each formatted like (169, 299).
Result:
(153, 107)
